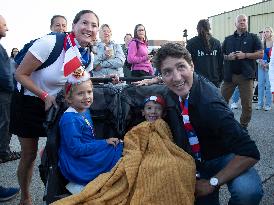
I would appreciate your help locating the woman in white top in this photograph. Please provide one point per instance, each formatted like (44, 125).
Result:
(41, 87)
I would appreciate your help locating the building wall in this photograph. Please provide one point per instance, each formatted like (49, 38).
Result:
(259, 15)
(161, 42)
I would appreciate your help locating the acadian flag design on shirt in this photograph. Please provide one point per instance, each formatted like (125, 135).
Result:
(72, 59)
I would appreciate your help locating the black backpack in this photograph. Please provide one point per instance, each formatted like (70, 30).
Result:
(58, 47)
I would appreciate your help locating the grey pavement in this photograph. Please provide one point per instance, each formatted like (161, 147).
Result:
(261, 130)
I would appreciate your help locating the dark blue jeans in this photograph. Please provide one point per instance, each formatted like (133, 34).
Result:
(245, 189)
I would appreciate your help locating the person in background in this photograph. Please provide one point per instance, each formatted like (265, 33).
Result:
(13, 64)
(109, 58)
(222, 148)
(6, 88)
(42, 87)
(138, 53)
(264, 93)
(241, 50)
(14, 52)
(255, 94)
(58, 23)
(271, 72)
(127, 65)
(206, 54)
(79, 148)
(236, 94)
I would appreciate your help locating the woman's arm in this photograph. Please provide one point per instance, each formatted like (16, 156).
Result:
(23, 73)
(37, 54)
(117, 61)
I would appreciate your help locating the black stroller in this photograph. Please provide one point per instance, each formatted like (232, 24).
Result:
(105, 111)
(114, 111)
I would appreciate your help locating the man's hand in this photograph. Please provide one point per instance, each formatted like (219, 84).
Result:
(231, 56)
(240, 55)
(203, 188)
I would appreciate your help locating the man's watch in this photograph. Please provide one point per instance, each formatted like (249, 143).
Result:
(214, 181)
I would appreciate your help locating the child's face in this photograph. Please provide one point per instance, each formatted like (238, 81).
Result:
(81, 96)
(152, 111)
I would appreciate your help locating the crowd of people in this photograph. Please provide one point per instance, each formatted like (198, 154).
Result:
(223, 150)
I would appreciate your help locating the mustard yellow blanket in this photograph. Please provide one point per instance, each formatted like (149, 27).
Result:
(153, 170)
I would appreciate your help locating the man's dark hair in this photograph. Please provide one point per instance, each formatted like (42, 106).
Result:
(203, 29)
(54, 17)
(175, 50)
(81, 13)
(127, 34)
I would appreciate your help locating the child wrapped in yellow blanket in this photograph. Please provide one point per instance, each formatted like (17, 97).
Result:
(153, 170)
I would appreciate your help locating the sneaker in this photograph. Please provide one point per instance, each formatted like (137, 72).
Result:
(267, 108)
(259, 107)
(255, 99)
(8, 193)
(234, 106)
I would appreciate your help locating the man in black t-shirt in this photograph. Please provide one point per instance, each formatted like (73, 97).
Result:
(241, 49)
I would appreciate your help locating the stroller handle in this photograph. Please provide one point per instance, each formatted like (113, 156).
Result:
(128, 79)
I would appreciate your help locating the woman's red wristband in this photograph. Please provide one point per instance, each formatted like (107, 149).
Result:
(44, 95)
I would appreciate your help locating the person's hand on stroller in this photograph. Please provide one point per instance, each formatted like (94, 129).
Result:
(113, 141)
(147, 81)
(115, 78)
(49, 101)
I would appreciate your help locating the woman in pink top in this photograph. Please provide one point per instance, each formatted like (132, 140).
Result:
(138, 53)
